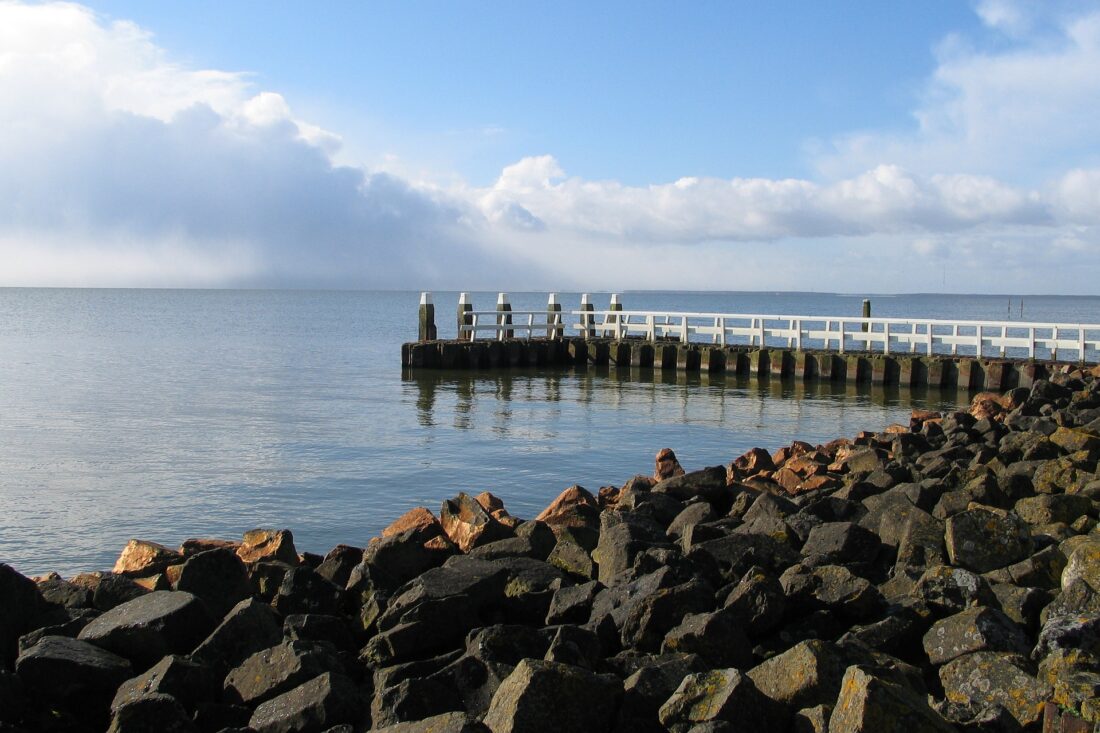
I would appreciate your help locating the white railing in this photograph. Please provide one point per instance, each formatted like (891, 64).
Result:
(501, 325)
(846, 333)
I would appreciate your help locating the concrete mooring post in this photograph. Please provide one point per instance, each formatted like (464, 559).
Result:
(615, 305)
(554, 327)
(464, 317)
(866, 314)
(426, 332)
(587, 318)
(504, 317)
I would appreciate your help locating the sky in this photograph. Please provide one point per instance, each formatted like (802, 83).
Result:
(928, 146)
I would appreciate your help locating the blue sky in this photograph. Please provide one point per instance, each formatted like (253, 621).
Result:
(845, 146)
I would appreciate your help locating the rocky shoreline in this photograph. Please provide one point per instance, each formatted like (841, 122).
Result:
(942, 575)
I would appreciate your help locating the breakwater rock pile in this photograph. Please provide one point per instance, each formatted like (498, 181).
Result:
(942, 575)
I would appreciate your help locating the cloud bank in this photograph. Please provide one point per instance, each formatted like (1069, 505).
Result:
(119, 166)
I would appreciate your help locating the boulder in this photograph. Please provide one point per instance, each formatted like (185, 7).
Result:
(326, 701)
(248, 628)
(832, 587)
(720, 695)
(757, 601)
(1083, 565)
(1051, 508)
(838, 543)
(870, 704)
(648, 620)
(983, 539)
(572, 604)
(151, 627)
(950, 590)
(572, 558)
(273, 671)
(73, 675)
(540, 696)
(666, 465)
(445, 723)
(987, 678)
(185, 681)
(574, 507)
(152, 713)
(20, 606)
(974, 630)
(268, 544)
(807, 674)
(647, 688)
(303, 590)
(141, 558)
(339, 563)
(1072, 440)
(218, 577)
(467, 524)
(334, 630)
(1072, 631)
(708, 484)
(716, 637)
(398, 558)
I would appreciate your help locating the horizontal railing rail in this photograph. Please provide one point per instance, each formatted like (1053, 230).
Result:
(845, 333)
(502, 325)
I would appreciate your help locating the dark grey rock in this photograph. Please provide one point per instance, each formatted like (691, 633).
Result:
(716, 637)
(982, 539)
(758, 601)
(547, 697)
(303, 590)
(152, 713)
(250, 627)
(151, 627)
(720, 695)
(325, 701)
(974, 630)
(185, 681)
(216, 576)
(73, 675)
(273, 671)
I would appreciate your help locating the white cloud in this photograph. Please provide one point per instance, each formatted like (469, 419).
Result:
(119, 166)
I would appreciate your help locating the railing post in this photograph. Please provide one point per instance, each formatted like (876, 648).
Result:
(426, 332)
(798, 335)
(842, 337)
(930, 339)
(1004, 338)
(886, 337)
(553, 317)
(790, 327)
(1054, 348)
(762, 344)
(684, 330)
(611, 320)
(504, 316)
(1081, 345)
(651, 328)
(587, 319)
(1031, 343)
(954, 342)
(721, 331)
(867, 314)
(464, 308)
(978, 341)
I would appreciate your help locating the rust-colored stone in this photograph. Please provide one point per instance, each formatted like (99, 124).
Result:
(468, 525)
(140, 558)
(419, 518)
(609, 496)
(753, 461)
(919, 417)
(196, 545)
(666, 465)
(268, 544)
(574, 507)
(155, 582)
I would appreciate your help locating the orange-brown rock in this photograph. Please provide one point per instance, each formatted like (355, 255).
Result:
(140, 557)
(574, 507)
(268, 544)
(820, 481)
(155, 582)
(753, 461)
(419, 518)
(609, 496)
(201, 544)
(830, 448)
(172, 574)
(920, 417)
(788, 452)
(804, 466)
(896, 428)
(495, 506)
(468, 525)
(986, 405)
(666, 465)
(788, 479)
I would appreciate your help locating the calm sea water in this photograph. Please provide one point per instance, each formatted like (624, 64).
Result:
(167, 414)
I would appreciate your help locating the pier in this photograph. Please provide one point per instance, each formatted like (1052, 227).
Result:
(912, 352)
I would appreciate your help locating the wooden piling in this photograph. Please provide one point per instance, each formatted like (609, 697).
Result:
(426, 330)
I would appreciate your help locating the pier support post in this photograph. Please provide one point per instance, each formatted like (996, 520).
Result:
(614, 305)
(758, 363)
(587, 318)
(664, 356)
(464, 317)
(504, 309)
(555, 329)
(687, 358)
(426, 332)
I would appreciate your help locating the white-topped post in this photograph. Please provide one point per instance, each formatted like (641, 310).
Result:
(554, 327)
(615, 305)
(426, 331)
(504, 316)
(464, 317)
(587, 319)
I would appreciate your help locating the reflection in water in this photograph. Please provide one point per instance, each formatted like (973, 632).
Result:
(717, 400)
